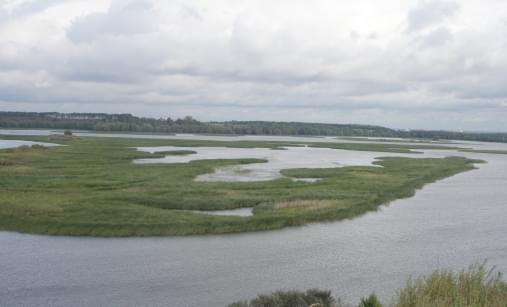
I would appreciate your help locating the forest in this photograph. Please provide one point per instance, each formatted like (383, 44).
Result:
(131, 123)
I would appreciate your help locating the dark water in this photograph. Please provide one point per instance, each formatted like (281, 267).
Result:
(448, 224)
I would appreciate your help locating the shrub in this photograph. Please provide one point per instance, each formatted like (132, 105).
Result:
(370, 301)
(293, 298)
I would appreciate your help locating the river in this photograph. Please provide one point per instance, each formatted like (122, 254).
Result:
(448, 224)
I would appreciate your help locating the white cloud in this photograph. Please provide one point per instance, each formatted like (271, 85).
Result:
(273, 60)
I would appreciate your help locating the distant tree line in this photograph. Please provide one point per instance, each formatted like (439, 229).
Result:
(130, 123)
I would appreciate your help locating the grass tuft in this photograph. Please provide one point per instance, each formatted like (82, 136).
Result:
(370, 301)
(475, 287)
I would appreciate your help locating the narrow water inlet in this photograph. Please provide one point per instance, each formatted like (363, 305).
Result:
(243, 212)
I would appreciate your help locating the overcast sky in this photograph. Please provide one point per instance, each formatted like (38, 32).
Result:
(432, 64)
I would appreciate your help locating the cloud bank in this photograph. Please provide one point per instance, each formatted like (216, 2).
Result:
(433, 64)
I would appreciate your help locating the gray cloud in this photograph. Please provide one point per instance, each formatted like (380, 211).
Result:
(435, 38)
(430, 12)
(260, 60)
(24, 8)
(124, 18)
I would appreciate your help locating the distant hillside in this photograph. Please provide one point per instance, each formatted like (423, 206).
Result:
(128, 122)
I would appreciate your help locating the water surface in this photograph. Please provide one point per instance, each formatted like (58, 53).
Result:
(277, 160)
(4, 144)
(225, 138)
(245, 212)
(449, 224)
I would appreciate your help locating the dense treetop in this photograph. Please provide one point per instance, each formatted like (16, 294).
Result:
(131, 123)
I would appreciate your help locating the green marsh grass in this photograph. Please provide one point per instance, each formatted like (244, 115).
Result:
(90, 187)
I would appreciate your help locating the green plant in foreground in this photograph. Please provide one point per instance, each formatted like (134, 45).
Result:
(370, 301)
(475, 287)
(293, 298)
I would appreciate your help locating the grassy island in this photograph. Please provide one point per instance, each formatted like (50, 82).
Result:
(90, 187)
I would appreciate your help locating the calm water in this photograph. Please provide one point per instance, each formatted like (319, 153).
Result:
(448, 224)
(291, 157)
(233, 212)
(277, 160)
(226, 138)
(13, 143)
